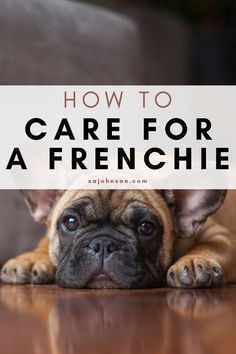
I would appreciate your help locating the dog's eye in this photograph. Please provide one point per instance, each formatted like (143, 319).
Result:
(146, 228)
(70, 223)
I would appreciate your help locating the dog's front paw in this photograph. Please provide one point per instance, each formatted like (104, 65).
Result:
(195, 272)
(30, 267)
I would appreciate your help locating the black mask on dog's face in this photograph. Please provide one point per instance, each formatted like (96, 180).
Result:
(100, 249)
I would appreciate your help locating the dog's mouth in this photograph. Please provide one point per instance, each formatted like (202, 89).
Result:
(101, 281)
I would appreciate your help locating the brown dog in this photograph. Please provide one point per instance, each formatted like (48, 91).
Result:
(130, 239)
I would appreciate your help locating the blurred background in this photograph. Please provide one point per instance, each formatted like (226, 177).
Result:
(65, 42)
(184, 41)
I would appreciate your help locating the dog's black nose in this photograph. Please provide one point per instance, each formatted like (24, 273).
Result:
(104, 245)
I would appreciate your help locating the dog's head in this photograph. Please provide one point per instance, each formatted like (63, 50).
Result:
(117, 238)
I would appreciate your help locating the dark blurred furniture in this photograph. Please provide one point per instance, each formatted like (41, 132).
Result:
(58, 42)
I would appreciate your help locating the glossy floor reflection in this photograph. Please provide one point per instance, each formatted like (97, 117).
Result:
(46, 319)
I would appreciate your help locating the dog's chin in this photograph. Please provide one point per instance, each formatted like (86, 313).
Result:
(110, 278)
(102, 281)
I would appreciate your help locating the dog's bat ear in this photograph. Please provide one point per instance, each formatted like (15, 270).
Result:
(40, 202)
(190, 208)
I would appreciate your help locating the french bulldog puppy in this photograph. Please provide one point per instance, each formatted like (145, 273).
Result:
(130, 239)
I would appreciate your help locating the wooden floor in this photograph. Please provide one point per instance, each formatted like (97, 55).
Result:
(46, 319)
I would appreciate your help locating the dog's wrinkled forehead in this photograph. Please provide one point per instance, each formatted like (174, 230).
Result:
(112, 204)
